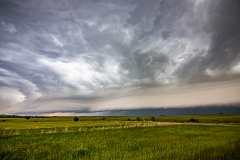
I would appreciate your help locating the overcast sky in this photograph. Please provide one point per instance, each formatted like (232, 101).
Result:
(97, 55)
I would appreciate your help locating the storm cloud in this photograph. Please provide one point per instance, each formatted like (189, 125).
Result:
(110, 55)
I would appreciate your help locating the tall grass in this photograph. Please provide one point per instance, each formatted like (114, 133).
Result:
(118, 140)
(166, 142)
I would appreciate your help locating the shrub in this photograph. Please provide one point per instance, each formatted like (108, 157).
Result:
(193, 120)
(138, 119)
(153, 119)
(76, 119)
(103, 118)
(27, 117)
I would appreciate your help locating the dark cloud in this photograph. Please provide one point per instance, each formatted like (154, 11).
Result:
(178, 111)
(149, 63)
(223, 51)
(224, 24)
(165, 34)
(229, 109)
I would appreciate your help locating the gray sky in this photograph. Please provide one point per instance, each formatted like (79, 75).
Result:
(97, 55)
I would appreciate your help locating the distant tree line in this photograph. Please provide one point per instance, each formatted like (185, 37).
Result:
(16, 116)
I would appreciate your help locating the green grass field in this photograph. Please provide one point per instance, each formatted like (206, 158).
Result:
(169, 137)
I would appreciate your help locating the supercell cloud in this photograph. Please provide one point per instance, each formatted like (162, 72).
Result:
(96, 55)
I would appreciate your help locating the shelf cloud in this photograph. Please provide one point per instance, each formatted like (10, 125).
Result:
(101, 55)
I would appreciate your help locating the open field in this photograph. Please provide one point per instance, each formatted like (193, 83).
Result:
(170, 137)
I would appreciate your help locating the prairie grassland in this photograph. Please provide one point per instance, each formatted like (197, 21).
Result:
(116, 138)
(94, 121)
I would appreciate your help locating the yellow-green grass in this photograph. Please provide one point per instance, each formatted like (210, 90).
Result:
(165, 142)
(215, 137)
(97, 121)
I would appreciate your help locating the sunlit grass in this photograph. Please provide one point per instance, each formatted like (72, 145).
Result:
(51, 122)
(62, 138)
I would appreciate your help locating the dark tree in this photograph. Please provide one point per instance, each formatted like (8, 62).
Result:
(153, 119)
(138, 119)
(103, 118)
(128, 119)
(27, 117)
(193, 120)
(76, 119)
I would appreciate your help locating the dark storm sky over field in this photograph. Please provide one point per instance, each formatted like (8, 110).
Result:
(99, 55)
